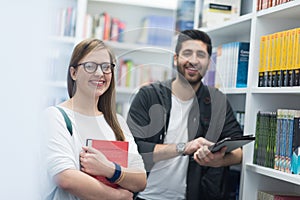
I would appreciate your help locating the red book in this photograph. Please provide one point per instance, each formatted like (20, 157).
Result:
(115, 151)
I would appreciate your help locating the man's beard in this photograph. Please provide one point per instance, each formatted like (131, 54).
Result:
(181, 74)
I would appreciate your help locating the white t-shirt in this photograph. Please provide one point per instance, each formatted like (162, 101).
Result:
(63, 151)
(167, 179)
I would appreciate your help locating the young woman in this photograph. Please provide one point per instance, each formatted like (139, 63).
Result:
(91, 110)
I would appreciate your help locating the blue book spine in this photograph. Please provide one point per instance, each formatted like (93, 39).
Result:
(295, 168)
(283, 141)
(160, 30)
(242, 68)
(291, 114)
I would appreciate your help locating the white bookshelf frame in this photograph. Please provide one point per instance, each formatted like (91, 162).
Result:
(250, 26)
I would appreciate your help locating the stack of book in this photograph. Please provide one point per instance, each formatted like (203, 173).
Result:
(157, 30)
(231, 65)
(185, 15)
(268, 195)
(279, 63)
(209, 78)
(264, 4)
(132, 75)
(104, 27)
(66, 22)
(277, 141)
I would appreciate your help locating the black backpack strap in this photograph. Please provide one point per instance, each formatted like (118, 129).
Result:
(67, 120)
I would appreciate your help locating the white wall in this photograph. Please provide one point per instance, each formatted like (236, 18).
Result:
(22, 47)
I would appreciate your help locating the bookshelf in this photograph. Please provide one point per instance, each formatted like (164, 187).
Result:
(250, 26)
(132, 13)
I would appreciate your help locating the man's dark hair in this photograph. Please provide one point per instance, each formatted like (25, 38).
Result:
(193, 35)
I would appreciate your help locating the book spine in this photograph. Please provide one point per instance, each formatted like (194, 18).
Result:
(261, 61)
(257, 139)
(283, 140)
(278, 142)
(280, 57)
(289, 138)
(285, 57)
(276, 66)
(265, 61)
(297, 58)
(295, 166)
(269, 60)
(261, 195)
(107, 25)
(185, 15)
(272, 62)
(242, 65)
(290, 58)
(272, 140)
(218, 82)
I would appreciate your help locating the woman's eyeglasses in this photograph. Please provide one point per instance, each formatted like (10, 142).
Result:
(91, 67)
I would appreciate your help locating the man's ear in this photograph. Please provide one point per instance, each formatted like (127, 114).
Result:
(73, 73)
(175, 58)
(208, 64)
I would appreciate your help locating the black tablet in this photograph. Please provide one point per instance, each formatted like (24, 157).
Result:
(231, 143)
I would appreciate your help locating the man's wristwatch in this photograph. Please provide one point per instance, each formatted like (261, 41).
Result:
(180, 147)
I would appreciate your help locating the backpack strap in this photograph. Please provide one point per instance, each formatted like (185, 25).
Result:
(67, 120)
(218, 114)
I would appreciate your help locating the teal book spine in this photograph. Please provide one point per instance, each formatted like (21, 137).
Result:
(242, 66)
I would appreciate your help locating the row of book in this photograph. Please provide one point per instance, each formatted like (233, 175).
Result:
(210, 76)
(185, 15)
(229, 66)
(272, 195)
(122, 108)
(279, 60)
(155, 30)
(103, 26)
(132, 75)
(65, 23)
(264, 4)
(57, 67)
(277, 140)
(240, 117)
(210, 13)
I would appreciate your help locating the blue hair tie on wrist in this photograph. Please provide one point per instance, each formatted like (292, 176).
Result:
(116, 175)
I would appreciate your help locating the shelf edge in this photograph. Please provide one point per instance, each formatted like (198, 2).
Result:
(272, 173)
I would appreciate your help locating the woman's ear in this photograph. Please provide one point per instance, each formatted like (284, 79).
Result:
(73, 73)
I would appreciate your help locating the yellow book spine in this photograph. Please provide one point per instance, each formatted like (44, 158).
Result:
(291, 55)
(280, 59)
(272, 71)
(266, 60)
(276, 59)
(261, 61)
(267, 68)
(284, 57)
(297, 58)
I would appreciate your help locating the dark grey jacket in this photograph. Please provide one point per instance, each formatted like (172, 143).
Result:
(211, 117)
